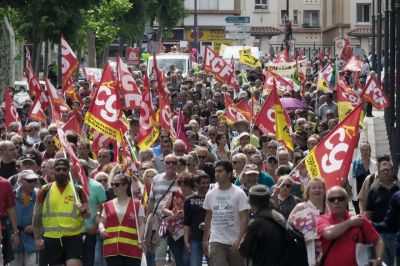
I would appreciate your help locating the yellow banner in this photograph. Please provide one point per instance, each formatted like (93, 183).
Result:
(105, 129)
(312, 165)
(282, 128)
(344, 108)
(246, 58)
(148, 141)
(207, 35)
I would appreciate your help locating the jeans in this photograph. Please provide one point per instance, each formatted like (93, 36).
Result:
(88, 249)
(390, 240)
(98, 254)
(150, 258)
(196, 253)
(178, 251)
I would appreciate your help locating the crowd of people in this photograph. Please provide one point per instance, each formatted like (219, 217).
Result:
(225, 197)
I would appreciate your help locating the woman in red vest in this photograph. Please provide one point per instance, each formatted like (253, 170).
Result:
(122, 225)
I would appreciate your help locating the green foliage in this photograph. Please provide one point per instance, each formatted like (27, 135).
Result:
(103, 19)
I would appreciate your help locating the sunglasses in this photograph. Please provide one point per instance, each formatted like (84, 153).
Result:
(235, 162)
(201, 157)
(339, 199)
(116, 184)
(31, 180)
(171, 163)
(102, 180)
(286, 185)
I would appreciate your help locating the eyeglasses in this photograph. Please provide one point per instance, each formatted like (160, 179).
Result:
(272, 147)
(53, 132)
(102, 180)
(339, 199)
(61, 169)
(171, 163)
(286, 185)
(179, 150)
(31, 180)
(116, 184)
(27, 130)
(201, 157)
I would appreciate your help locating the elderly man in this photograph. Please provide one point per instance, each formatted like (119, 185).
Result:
(340, 232)
(8, 159)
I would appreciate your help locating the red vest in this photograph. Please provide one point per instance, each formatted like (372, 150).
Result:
(121, 238)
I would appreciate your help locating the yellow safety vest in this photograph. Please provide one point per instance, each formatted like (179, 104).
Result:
(60, 216)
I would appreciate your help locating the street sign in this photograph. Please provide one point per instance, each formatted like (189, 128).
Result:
(234, 28)
(237, 35)
(237, 19)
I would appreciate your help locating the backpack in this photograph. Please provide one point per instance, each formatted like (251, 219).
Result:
(296, 252)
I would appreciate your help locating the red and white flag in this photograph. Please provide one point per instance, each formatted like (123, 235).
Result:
(69, 63)
(77, 168)
(128, 87)
(347, 53)
(165, 115)
(56, 98)
(160, 78)
(215, 64)
(10, 112)
(374, 94)
(283, 57)
(37, 112)
(73, 126)
(353, 65)
(332, 157)
(265, 119)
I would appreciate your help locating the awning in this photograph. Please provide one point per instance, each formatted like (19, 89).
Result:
(272, 31)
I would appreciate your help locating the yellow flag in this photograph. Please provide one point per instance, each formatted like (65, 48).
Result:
(246, 58)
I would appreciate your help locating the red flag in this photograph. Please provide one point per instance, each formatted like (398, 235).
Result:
(347, 53)
(353, 64)
(281, 83)
(244, 111)
(332, 156)
(159, 75)
(10, 112)
(213, 63)
(230, 110)
(233, 64)
(129, 88)
(72, 125)
(148, 131)
(69, 63)
(300, 54)
(283, 57)
(37, 112)
(374, 94)
(165, 114)
(56, 99)
(181, 133)
(104, 113)
(76, 165)
(265, 119)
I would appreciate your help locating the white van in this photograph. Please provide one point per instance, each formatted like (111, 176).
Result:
(182, 62)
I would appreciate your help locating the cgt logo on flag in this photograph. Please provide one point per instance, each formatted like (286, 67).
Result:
(375, 95)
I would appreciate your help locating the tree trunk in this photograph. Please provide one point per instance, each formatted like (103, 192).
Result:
(121, 41)
(46, 58)
(91, 41)
(105, 55)
(7, 55)
(38, 57)
(160, 32)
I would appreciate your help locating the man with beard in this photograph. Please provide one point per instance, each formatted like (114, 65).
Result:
(59, 214)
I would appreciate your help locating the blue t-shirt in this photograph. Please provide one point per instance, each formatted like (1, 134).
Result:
(97, 196)
(263, 179)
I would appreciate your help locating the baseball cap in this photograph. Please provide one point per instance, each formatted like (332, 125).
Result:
(29, 157)
(271, 159)
(250, 169)
(28, 175)
(61, 162)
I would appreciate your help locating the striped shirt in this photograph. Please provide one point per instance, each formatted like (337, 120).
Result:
(159, 187)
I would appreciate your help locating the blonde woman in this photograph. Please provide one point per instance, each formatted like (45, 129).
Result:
(313, 206)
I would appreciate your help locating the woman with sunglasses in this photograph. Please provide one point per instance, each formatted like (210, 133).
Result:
(314, 204)
(122, 225)
(282, 200)
(173, 210)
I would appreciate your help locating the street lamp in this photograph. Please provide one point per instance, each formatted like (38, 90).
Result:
(196, 31)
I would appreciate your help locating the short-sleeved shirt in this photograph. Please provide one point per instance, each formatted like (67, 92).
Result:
(97, 196)
(158, 189)
(225, 206)
(378, 201)
(194, 215)
(7, 198)
(343, 251)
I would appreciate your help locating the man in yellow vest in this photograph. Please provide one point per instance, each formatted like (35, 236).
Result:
(58, 216)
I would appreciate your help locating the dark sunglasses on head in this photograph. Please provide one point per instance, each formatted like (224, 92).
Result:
(339, 199)
(171, 163)
(116, 184)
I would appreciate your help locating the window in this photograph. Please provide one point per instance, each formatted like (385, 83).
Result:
(295, 17)
(283, 16)
(260, 4)
(207, 5)
(363, 13)
(311, 19)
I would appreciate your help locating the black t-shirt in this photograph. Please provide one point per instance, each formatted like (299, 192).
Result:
(194, 215)
(9, 169)
(378, 201)
(209, 169)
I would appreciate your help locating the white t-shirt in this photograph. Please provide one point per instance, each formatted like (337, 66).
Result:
(225, 206)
